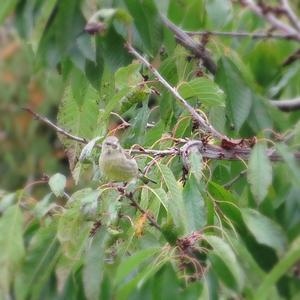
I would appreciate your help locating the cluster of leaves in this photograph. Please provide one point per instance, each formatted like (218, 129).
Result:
(88, 240)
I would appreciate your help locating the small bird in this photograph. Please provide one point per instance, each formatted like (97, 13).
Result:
(116, 165)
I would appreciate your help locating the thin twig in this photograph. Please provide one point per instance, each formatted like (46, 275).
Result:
(55, 127)
(233, 180)
(287, 105)
(294, 20)
(200, 121)
(208, 151)
(270, 18)
(129, 196)
(253, 35)
(126, 124)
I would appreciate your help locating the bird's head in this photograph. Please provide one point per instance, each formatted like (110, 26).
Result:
(111, 144)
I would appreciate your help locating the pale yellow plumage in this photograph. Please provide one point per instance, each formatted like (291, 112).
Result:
(115, 164)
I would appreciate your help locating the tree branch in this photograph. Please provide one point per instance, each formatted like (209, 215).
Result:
(290, 14)
(134, 203)
(55, 127)
(208, 151)
(287, 105)
(266, 14)
(253, 35)
(186, 41)
(200, 121)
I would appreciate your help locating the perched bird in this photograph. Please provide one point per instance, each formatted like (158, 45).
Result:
(116, 165)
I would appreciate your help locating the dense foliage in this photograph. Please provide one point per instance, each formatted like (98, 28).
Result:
(210, 227)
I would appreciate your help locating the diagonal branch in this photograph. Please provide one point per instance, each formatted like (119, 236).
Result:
(200, 121)
(295, 21)
(55, 127)
(290, 31)
(186, 41)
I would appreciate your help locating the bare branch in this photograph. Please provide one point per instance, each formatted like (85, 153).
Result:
(200, 121)
(208, 151)
(292, 58)
(269, 17)
(287, 105)
(295, 21)
(186, 41)
(253, 35)
(55, 127)
(134, 203)
(234, 180)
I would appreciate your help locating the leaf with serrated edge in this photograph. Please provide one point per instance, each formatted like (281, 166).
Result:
(259, 172)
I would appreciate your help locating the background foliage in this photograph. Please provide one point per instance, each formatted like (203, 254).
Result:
(227, 229)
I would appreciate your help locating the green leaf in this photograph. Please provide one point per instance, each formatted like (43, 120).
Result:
(219, 12)
(79, 117)
(176, 199)
(94, 265)
(196, 164)
(73, 230)
(57, 184)
(128, 76)
(6, 201)
(12, 247)
(226, 254)
(41, 22)
(89, 204)
(289, 259)
(259, 172)
(62, 29)
(136, 283)
(6, 8)
(265, 230)
(113, 50)
(42, 254)
(194, 205)
(204, 89)
(129, 264)
(239, 96)
(88, 148)
(147, 22)
(290, 161)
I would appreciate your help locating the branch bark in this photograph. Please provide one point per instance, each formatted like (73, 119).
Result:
(285, 28)
(287, 105)
(197, 49)
(208, 151)
(200, 121)
(290, 14)
(253, 35)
